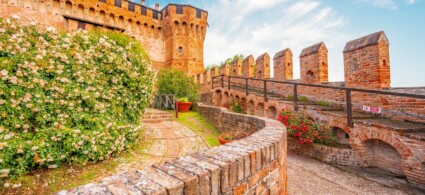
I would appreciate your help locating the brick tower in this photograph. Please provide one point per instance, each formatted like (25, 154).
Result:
(314, 64)
(367, 62)
(185, 29)
(283, 66)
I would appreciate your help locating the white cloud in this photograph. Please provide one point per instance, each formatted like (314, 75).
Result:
(391, 4)
(271, 27)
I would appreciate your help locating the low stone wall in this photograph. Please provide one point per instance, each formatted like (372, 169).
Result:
(339, 156)
(254, 165)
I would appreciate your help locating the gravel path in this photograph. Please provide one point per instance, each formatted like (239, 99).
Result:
(309, 176)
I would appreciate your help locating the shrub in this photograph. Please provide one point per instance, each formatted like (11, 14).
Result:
(177, 82)
(305, 129)
(183, 99)
(236, 107)
(67, 98)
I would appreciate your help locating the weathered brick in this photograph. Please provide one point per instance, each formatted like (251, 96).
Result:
(224, 170)
(255, 178)
(119, 184)
(173, 185)
(190, 180)
(214, 170)
(203, 175)
(239, 190)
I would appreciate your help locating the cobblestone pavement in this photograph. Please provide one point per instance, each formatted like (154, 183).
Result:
(309, 176)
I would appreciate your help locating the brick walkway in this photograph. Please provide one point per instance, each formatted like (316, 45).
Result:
(171, 139)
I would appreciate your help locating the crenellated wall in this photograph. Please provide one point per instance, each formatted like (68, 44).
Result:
(366, 64)
(173, 37)
(253, 165)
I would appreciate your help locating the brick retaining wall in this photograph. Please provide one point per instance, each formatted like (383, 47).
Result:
(254, 165)
(339, 156)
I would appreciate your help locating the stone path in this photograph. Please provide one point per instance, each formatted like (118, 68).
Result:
(309, 176)
(171, 139)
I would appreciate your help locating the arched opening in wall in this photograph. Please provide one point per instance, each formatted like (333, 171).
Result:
(159, 32)
(259, 110)
(152, 30)
(196, 31)
(243, 105)
(180, 51)
(259, 74)
(130, 25)
(342, 136)
(42, 6)
(12, 2)
(192, 29)
(80, 11)
(382, 155)
(184, 28)
(289, 64)
(272, 112)
(323, 64)
(310, 75)
(68, 8)
(111, 19)
(251, 107)
(138, 26)
(145, 28)
(217, 98)
(176, 28)
(102, 17)
(384, 62)
(226, 100)
(92, 14)
(28, 4)
(121, 22)
(56, 7)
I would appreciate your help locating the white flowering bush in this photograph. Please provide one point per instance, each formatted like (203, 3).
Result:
(67, 98)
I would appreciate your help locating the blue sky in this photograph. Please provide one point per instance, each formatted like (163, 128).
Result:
(254, 27)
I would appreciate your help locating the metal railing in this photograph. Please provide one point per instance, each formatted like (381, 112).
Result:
(348, 100)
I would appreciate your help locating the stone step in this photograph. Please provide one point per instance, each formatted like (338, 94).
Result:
(156, 116)
(323, 108)
(155, 120)
(399, 126)
(356, 115)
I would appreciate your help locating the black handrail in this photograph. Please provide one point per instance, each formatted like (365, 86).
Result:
(347, 90)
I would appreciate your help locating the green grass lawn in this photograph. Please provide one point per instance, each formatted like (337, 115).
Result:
(200, 125)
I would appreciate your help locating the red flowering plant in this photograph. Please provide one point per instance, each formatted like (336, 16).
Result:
(305, 129)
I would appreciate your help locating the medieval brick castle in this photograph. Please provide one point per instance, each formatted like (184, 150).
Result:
(173, 37)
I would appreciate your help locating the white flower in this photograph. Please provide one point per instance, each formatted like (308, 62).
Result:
(51, 29)
(4, 172)
(53, 166)
(15, 17)
(2, 145)
(20, 151)
(2, 102)
(34, 148)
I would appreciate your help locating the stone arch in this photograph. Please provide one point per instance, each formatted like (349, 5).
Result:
(259, 109)
(80, 11)
(197, 30)
(398, 145)
(272, 112)
(251, 107)
(138, 26)
(184, 28)
(217, 99)
(28, 4)
(225, 100)
(382, 155)
(92, 14)
(121, 22)
(244, 105)
(130, 25)
(111, 19)
(56, 7)
(177, 27)
(102, 16)
(343, 137)
(145, 28)
(68, 8)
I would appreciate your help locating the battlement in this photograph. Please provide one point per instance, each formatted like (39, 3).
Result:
(173, 36)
